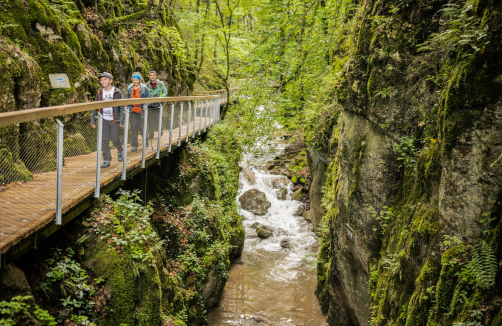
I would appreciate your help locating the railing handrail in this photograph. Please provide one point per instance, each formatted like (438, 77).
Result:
(216, 91)
(15, 117)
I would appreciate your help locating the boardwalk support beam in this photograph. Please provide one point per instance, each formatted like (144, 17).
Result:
(171, 127)
(59, 182)
(159, 135)
(126, 136)
(181, 123)
(188, 120)
(98, 155)
(145, 135)
(194, 117)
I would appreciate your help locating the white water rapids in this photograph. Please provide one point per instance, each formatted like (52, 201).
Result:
(271, 285)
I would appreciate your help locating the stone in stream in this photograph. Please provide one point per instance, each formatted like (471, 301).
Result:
(249, 175)
(255, 201)
(297, 195)
(300, 210)
(279, 182)
(282, 193)
(308, 215)
(286, 243)
(264, 232)
(256, 225)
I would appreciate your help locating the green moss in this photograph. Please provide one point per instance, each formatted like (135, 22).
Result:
(12, 170)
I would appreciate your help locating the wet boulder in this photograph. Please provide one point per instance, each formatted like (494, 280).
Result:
(279, 182)
(308, 215)
(286, 243)
(282, 194)
(255, 201)
(264, 232)
(249, 175)
(300, 210)
(297, 195)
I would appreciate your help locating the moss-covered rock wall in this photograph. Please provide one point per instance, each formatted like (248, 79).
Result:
(81, 39)
(411, 234)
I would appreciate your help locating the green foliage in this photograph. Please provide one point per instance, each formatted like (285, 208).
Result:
(384, 218)
(465, 33)
(484, 266)
(17, 312)
(407, 152)
(72, 283)
(128, 229)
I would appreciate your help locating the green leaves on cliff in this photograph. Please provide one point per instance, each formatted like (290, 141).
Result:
(464, 30)
(484, 266)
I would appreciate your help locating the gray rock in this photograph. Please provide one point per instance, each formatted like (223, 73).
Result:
(308, 215)
(249, 175)
(286, 243)
(279, 182)
(256, 225)
(318, 164)
(297, 195)
(282, 194)
(300, 210)
(264, 232)
(255, 201)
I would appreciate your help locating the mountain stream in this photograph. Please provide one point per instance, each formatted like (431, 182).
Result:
(269, 284)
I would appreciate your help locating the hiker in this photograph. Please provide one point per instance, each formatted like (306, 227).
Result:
(113, 118)
(137, 90)
(157, 89)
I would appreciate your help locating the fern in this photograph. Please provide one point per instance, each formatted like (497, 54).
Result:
(483, 266)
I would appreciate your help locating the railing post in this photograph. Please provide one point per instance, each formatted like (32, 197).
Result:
(194, 116)
(159, 136)
(205, 116)
(188, 120)
(59, 186)
(200, 119)
(218, 117)
(181, 121)
(98, 161)
(214, 110)
(126, 136)
(171, 126)
(145, 134)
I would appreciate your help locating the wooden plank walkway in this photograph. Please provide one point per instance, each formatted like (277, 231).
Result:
(27, 207)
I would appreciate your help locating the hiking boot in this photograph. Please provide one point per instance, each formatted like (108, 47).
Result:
(134, 149)
(105, 164)
(121, 157)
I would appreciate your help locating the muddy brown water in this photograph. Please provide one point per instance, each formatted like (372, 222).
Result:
(271, 285)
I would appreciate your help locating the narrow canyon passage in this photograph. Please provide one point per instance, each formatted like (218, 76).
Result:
(273, 282)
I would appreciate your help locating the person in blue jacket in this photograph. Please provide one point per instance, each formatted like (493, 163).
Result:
(137, 90)
(113, 118)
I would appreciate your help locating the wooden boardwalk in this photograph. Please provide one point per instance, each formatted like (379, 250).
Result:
(28, 207)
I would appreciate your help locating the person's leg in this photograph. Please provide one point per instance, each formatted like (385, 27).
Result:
(134, 128)
(115, 136)
(141, 124)
(153, 121)
(105, 140)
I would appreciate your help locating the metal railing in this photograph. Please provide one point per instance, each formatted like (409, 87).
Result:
(52, 160)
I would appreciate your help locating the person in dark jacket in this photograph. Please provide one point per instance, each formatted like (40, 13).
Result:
(113, 118)
(137, 90)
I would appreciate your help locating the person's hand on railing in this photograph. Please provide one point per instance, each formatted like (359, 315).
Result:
(94, 126)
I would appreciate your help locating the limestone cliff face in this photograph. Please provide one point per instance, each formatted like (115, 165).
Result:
(419, 145)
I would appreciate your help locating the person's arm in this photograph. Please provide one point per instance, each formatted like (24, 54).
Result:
(163, 88)
(121, 108)
(94, 112)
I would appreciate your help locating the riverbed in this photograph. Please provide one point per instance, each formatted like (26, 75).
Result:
(269, 284)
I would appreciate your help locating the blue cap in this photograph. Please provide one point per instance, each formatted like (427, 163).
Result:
(137, 77)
